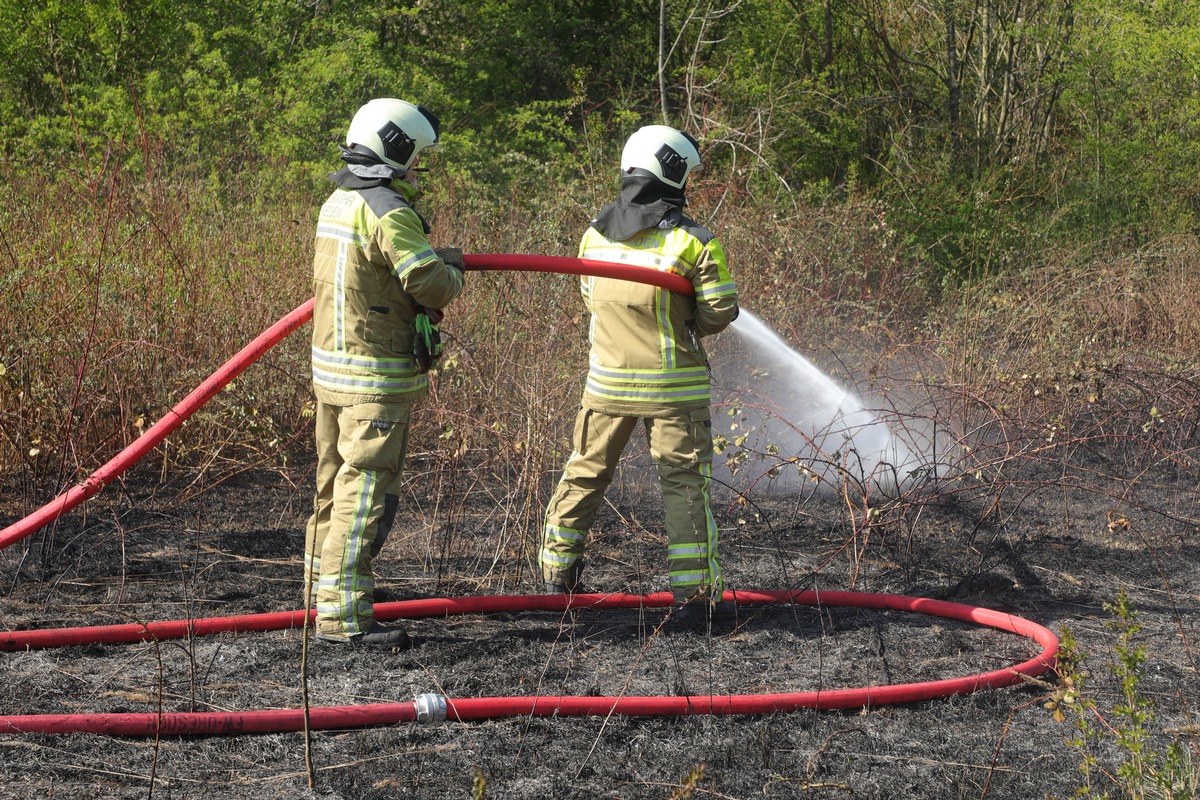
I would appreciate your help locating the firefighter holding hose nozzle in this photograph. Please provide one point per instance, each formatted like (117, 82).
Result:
(379, 289)
(647, 364)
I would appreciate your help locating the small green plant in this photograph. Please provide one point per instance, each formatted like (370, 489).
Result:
(1119, 752)
(691, 782)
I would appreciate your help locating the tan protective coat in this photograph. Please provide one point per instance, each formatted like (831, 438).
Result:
(647, 363)
(372, 265)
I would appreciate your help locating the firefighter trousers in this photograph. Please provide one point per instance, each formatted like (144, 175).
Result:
(360, 456)
(682, 449)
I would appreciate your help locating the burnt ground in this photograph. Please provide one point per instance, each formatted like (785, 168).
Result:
(1056, 543)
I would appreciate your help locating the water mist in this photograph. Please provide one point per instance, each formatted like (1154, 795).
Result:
(786, 422)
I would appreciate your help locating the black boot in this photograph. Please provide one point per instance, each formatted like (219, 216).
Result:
(702, 612)
(378, 635)
(568, 583)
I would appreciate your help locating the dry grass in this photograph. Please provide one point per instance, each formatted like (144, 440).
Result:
(121, 296)
(118, 298)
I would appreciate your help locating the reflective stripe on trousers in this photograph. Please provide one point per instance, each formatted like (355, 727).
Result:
(360, 457)
(681, 446)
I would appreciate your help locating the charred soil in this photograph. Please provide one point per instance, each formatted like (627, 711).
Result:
(1057, 546)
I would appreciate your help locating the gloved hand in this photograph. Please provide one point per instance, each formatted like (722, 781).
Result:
(452, 256)
(427, 344)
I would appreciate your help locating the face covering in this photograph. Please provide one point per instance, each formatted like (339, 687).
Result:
(362, 162)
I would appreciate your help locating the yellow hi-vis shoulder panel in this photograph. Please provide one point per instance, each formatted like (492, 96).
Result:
(646, 356)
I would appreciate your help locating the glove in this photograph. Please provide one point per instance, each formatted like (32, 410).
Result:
(452, 256)
(427, 345)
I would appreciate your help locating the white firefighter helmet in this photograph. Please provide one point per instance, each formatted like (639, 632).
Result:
(668, 154)
(395, 130)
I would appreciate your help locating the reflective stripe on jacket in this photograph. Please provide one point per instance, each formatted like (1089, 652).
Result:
(646, 357)
(372, 265)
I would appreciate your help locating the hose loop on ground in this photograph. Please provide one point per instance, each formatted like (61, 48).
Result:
(431, 708)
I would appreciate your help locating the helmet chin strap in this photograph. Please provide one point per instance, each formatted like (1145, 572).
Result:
(412, 176)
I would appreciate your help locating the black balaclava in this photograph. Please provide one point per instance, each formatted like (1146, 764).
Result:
(645, 202)
(363, 169)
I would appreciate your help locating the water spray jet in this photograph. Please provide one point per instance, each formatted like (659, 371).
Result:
(787, 420)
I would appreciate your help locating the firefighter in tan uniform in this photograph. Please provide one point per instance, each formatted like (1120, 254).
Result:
(378, 284)
(647, 364)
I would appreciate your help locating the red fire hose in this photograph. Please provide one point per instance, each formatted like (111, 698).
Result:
(580, 266)
(432, 707)
(154, 435)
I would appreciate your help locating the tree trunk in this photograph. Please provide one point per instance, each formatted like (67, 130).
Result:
(662, 54)
(954, 90)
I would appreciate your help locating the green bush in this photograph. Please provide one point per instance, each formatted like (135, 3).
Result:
(1121, 752)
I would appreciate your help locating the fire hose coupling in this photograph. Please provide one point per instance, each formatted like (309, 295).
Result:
(431, 707)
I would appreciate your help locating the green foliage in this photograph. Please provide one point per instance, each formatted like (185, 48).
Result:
(772, 102)
(1120, 753)
(970, 227)
(1133, 102)
(989, 130)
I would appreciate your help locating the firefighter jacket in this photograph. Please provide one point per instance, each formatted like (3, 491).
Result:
(646, 357)
(373, 264)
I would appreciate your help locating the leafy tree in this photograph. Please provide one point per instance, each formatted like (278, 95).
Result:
(1133, 105)
(985, 127)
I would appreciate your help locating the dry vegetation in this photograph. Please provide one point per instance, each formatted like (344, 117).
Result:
(1064, 398)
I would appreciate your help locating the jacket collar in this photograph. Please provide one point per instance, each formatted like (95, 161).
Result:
(645, 202)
